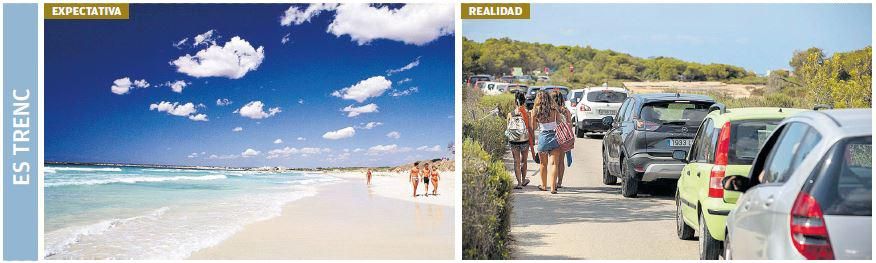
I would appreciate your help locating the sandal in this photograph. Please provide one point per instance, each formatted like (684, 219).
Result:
(518, 187)
(541, 188)
(553, 192)
(525, 182)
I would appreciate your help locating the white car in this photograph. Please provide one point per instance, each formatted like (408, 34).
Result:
(809, 192)
(493, 88)
(592, 104)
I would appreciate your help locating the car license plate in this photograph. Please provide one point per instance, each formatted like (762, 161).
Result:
(606, 112)
(680, 142)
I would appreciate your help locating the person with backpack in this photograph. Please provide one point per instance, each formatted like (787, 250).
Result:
(519, 135)
(566, 119)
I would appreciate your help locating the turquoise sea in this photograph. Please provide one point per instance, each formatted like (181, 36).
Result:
(104, 212)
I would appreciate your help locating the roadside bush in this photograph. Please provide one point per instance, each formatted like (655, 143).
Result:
(504, 100)
(489, 132)
(486, 204)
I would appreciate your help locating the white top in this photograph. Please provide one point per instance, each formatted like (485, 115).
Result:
(548, 126)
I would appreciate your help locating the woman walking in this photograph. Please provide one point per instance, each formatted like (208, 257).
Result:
(368, 174)
(414, 178)
(546, 113)
(435, 176)
(519, 134)
(565, 116)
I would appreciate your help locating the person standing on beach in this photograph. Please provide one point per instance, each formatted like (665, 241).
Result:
(434, 178)
(368, 174)
(414, 178)
(426, 174)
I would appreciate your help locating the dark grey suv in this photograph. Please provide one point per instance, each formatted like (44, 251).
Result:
(638, 145)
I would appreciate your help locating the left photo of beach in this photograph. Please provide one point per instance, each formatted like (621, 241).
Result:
(251, 131)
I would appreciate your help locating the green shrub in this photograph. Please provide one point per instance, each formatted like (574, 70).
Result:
(489, 131)
(486, 204)
(504, 100)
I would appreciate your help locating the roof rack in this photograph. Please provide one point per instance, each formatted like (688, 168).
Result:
(719, 107)
(822, 107)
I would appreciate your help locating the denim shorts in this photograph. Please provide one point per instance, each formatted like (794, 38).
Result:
(547, 141)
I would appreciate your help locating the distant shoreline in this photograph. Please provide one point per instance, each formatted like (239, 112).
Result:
(229, 168)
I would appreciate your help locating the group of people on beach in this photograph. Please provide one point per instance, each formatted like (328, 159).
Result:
(536, 131)
(427, 174)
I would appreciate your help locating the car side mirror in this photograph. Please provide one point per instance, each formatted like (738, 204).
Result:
(734, 186)
(680, 155)
(607, 120)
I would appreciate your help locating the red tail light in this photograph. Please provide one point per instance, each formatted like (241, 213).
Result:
(716, 190)
(585, 108)
(808, 231)
(646, 125)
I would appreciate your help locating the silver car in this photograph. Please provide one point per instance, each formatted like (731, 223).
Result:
(808, 194)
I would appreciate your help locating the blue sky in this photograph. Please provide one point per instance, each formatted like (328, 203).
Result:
(759, 37)
(330, 61)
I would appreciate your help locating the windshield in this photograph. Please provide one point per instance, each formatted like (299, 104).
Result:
(746, 139)
(576, 96)
(675, 112)
(607, 96)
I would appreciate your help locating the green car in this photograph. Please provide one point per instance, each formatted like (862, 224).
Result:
(726, 144)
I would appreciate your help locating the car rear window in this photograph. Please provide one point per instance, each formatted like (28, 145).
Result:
(843, 185)
(606, 96)
(576, 96)
(746, 139)
(675, 112)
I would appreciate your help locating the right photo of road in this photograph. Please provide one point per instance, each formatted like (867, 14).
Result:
(668, 131)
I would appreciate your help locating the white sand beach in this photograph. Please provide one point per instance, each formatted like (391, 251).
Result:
(349, 220)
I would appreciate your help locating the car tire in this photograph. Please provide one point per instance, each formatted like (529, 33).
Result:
(726, 254)
(709, 247)
(607, 178)
(684, 231)
(579, 133)
(629, 184)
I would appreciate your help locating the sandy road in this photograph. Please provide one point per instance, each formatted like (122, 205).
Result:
(589, 220)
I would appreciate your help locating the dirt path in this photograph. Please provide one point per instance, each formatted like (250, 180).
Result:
(589, 220)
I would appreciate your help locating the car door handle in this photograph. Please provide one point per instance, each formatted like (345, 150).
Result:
(688, 172)
(698, 174)
(746, 205)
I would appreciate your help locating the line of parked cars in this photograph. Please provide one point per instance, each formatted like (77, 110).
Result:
(806, 175)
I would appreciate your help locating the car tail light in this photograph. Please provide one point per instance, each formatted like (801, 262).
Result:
(716, 190)
(808, 231)
(584, 108)
(646, 125)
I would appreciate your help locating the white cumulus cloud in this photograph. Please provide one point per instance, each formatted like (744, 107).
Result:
(206, 38)
(255, 110)
(177, 86)
(411, 65)
(393, 134)
(124, 85)
(249, 153)
(355, 111)
(285, 39)
(180, 43)
(369, 125)
(233, 60)
(340, 134)
(278, 141)
(301, 139)
(176, 109)
(237, 129)
(409, 91)
(416, 24)
(289, 151)
(223, 102)
(436, 148)
(296, 16)
(371, 87)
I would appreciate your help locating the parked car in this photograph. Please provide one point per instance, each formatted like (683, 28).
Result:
(543, 79)
(638, 146)
(572, 100)
(473, 80)
(493, 88)
(592, 105)
(507, 79)
(524, 78)
(514, 88)
(726, 143)
(530, 95)
(809, 192)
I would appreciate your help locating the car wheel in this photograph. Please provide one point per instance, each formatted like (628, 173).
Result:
(578, 131)
(684, 231)
(709, 247)
(629, 185)
(607, 178)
